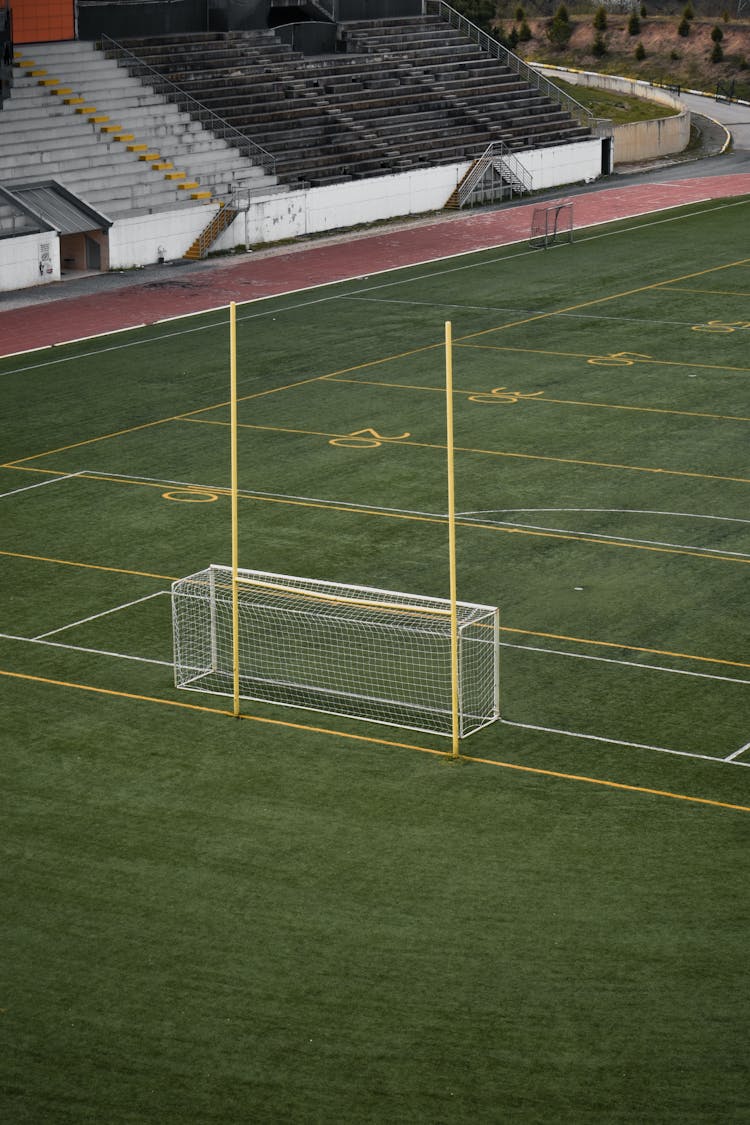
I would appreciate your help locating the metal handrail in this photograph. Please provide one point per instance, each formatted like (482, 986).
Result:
(198, 112)
(438, 7)
(495, 153)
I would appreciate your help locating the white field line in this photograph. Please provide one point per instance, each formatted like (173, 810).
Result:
(93, 651)
(225, 490)
(621, 742)
(468, 516)
(736, 754)
(95, 616)
(606, 511)
(39, 484)
(625, 663)
(601, 535)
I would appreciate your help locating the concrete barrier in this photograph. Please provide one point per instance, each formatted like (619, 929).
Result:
(638, 140)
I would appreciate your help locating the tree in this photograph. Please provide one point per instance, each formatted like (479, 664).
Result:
(717, 53)
(689, 12)
(524, 33)
(683, 28)
(480, 12)
(640, 52)
(600, 18)
(599, 46)
(560, 29)
(717, 34)
(634, 24)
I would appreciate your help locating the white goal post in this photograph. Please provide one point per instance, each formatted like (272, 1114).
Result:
(551, 224)
(344, 650)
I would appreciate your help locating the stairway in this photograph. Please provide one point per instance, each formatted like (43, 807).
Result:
(221, 221)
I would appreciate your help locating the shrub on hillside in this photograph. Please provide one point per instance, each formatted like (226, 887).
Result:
(560, 29)
(634, 24)
(600, 18)
(717, 53)
(683, 28)
(599, 46)
(640, 52)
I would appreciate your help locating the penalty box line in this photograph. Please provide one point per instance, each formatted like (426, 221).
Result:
(40, 483)
(96, 616)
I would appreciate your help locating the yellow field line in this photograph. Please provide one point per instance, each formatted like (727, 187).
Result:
(215, 406)
(309, 729)
(86, 566)
(482, 452)
(388, 359)
(603, 300)
(645, 361)
(706, 292)
(629, 648)
(412, 516)
(542, 400)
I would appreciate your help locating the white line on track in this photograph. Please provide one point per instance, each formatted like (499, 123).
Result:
(621, 742)
(95, 616)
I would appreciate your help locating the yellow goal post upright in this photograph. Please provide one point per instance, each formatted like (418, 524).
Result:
(384, 656)
(235, 509)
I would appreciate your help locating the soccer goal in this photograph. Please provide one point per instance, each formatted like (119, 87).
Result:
(345, 650)
(551, 224)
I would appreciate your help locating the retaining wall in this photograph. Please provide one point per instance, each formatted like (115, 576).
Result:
(638, 140)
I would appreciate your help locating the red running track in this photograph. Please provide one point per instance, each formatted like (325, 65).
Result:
(310, 264)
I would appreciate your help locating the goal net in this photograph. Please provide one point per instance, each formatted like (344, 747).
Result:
(551, 224)
(345, 650)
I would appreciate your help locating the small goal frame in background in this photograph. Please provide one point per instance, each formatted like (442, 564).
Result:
(551, 224)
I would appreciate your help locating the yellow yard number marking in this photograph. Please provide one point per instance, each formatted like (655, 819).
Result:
(502, 394)
(722, 326)
(358, 439)
(617, 359)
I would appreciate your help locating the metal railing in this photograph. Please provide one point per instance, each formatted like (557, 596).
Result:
(439, 8)
(505, 163)
(198, 112)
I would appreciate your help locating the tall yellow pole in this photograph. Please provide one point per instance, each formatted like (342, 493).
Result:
(455, 715)
(235, 519)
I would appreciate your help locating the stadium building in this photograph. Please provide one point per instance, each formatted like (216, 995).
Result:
(140, 131)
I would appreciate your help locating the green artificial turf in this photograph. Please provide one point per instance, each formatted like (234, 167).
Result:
(297, 917)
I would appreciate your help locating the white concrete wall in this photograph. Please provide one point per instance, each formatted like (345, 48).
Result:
(29, 259)
(388, 197)
(567, 164)
(140, 240)
(638, 140)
